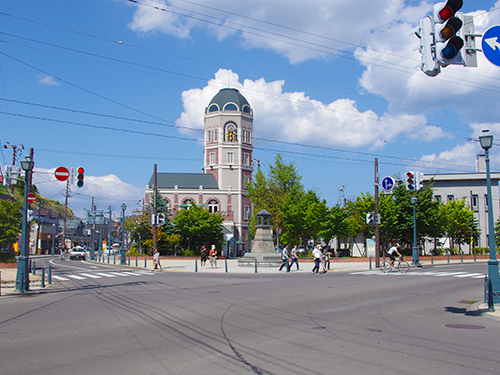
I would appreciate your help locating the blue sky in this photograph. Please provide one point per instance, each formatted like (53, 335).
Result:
(116, 86)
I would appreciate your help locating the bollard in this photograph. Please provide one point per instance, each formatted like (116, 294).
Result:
(491, 306)
(29, 265)
(474, 257)
(136, 260)
(225, 260)
(145, 261)
(432, 258)
(196, 265)
(43, 277)
(114, 258)
(255, 265)
(34, 268)
(108, 257)
(370, 262)
(49, 276)
(448, 256)
(0, 283)
(129, 260)
(462, 256)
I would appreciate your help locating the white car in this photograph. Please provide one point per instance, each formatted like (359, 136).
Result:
(77, 253)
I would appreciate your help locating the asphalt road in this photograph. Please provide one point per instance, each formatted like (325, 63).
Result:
(142, 322)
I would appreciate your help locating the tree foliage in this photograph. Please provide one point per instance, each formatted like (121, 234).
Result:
(10, 222)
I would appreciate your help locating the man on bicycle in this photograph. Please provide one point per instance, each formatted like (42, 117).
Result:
(391, 251)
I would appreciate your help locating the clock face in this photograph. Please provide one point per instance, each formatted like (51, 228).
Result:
(231, 128)
(231, 133)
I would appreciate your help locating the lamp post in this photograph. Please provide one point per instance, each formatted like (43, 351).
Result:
(22, 278)
(123, 250)
(486, 139)
(415, 261)
(53, 237)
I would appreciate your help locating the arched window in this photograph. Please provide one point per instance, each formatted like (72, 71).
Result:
(213, 108)
(231, 132)
(246, 109)
(213, 206)
(187, 203)
(230, 107)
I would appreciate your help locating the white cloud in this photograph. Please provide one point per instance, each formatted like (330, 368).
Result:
(47, 80)
(295, 117)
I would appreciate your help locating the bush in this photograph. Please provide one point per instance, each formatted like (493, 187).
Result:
(481, 250)
(7, 257)
(188, 253)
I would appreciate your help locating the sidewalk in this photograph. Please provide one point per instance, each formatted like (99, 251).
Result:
(8, 281)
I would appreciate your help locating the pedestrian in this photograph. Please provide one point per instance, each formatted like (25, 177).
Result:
(213, 257)
(317, 258)
(204, 256)
(295, 258)
(156, 260)
(285, 258)
(326, 258)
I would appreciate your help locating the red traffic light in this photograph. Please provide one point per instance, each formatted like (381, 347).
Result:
(80, 170)
(445, 13)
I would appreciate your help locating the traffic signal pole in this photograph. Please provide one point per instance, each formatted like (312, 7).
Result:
(155, 227)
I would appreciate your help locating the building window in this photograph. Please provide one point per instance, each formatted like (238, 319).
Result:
(474, 202)
(486, 202)
(188, 202)
(246, 109)
(247, 213)
(216, 133)
(213, 206)
(211, 158)
(209, 136)
(437, 198)
(451, 198)
(231, 132)
(213, 108)
(230, 107)
(244, 136)
(247, 181)
(230, 158)
(247, 159)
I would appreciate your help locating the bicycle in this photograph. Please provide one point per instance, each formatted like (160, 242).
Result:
(400, 265)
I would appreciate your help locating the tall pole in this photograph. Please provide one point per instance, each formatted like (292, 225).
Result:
(65, 213)
(155, 227)
(110, 245)
(124, 250)
(53, 238)
(415, 258)
(377, 227)
(492, 262)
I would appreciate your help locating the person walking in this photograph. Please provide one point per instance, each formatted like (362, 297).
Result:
(295, 258)
(285, 258)
(204, 256)
(213, 257)
(317, 258)
(156, 261)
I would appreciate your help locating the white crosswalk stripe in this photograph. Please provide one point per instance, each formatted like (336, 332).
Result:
(422, 273)
(100, 275)
(92, 276)
(60, 278)
(104, 274)
(76, 277)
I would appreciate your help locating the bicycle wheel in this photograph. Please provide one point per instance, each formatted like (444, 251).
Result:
(403, 267)
(385, 267)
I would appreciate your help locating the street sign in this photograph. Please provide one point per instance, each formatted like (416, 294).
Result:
(31, 198)
(491, 45)
(62, 173)
(388, 183)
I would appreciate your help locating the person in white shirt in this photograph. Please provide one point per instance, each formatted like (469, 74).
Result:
(391, 251)
(317, 258)
(285, 257)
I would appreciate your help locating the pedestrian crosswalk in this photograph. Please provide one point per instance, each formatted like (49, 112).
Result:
(99, 275)
(422, 273)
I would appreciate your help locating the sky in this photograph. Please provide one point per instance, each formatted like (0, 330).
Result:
(116, 86)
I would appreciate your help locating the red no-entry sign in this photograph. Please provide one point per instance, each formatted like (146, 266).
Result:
(31, 198)
(62, 173)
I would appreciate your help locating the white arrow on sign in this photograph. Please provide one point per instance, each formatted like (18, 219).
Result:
(493, 43)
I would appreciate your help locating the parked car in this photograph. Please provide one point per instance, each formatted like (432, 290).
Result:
(77, 253)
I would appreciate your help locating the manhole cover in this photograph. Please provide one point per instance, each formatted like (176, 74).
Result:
(464, 326)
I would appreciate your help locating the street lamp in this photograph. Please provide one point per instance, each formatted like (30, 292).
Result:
(123, 251)
(22, 278)
(486, 139)
(53, 237)
(415, 261)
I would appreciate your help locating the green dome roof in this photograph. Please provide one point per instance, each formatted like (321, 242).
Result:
(228, 95)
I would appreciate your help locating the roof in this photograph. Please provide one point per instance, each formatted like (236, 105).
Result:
(228, 95)
(184, 181)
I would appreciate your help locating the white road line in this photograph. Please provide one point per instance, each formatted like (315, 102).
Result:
(468, 275)
(104, 274)
(441, 274)
(60, 278)
(76, 277)
(119, 274)
(91, 275)
(478, 277)
(132, 273)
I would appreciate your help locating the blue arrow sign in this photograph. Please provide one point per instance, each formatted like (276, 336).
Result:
(491, 45)
(388, 183)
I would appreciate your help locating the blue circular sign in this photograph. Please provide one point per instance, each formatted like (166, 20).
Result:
(388, 183)
(491, 45)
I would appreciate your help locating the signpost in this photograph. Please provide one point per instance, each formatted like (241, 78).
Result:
(388, 183)
(491, 45)
(62, 173)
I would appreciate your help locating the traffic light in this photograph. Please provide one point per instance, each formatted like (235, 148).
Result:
(425, 32)
(79, 177)
(161, 219)
(446, 26)
(370, 218)
(410, 181)
(419, 180)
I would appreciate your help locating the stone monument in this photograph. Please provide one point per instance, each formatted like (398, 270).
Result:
(262, 245)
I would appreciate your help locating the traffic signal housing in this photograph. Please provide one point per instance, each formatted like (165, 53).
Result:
(80, 176)
(425, 32)
(419, 180)
(370, 218)
(446, 27)
(410, 180)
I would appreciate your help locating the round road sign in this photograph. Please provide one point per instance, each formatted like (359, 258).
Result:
(31, 198)
(388, 183)
(62, 173)
(491, 45)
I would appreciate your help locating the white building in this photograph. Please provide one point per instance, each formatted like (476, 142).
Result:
(472, 187)
(228, 155)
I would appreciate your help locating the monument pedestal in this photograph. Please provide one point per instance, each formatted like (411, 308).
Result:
(263, 260)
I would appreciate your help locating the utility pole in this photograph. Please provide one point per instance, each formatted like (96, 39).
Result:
(155, 227)
(15, 150)
(65, 213)
(377, 229)
(110, 245)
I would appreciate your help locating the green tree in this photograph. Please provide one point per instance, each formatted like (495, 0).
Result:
(461, 226)
(199, 227)
(10, 222)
